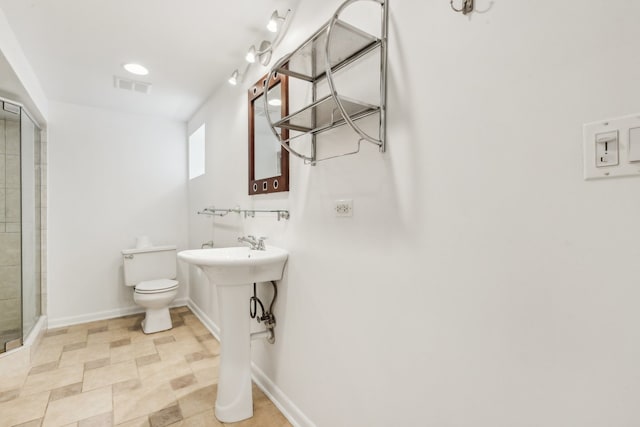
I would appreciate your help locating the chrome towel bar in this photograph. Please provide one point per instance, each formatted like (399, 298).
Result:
(282, 214)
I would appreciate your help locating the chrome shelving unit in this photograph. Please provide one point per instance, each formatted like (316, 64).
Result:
(334, 46)
(324, 114)
(309, 62)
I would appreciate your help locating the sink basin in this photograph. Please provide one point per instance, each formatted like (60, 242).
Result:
(238, 265)
(233, 271)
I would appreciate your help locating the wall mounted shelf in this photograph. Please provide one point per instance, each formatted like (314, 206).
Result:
(331, 48)
(324, 114)
(309, 61)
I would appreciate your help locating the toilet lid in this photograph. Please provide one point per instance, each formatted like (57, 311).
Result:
(155, 286)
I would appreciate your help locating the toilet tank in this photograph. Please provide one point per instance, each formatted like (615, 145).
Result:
(155, 262)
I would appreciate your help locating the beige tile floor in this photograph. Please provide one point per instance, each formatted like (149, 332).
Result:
(110, 373)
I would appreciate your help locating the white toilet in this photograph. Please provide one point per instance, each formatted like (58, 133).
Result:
(151, 270)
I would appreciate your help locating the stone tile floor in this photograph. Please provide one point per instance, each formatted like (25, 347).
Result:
(109, 373)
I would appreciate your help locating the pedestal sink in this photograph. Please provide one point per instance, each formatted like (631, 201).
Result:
(234, 270)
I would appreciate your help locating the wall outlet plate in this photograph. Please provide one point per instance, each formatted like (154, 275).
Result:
(343, 207)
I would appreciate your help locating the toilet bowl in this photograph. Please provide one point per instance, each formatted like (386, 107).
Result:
(151, 272)
(155, 296)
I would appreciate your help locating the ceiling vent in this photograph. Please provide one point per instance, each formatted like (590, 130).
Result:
(127, 84)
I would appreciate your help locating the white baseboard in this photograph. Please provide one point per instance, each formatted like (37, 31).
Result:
(291, 412)
(104, 315)
(206, 321)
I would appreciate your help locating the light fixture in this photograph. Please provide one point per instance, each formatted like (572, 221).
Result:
(136, 69)
(233, 80)
(251, 55)
(277, 24)
(274, 22)
(264, 55)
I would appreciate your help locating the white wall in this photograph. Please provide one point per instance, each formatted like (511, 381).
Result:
(481, 280)
(113, 177)
(18, 79)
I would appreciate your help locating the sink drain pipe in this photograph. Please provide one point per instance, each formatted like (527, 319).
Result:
(267, 316)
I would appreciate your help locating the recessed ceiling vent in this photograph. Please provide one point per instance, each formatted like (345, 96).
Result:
(135, 86)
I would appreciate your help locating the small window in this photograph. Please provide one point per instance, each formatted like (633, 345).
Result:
(196, 153)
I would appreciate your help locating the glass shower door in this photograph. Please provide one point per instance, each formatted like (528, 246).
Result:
(10, 229)
(20, 225)
(31, 240)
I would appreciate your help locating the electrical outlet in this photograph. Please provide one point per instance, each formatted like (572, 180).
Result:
(344, 207)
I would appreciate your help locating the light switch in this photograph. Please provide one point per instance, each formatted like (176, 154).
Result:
(611, 147)
(607, 149)
(634, 145)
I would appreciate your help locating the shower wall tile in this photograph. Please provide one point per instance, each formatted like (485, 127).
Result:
(2, 138)
(43, 197)
(10, 321)
(12, 209)
(3, 204)
(3, 168)
(13, 227)
(38, 181)
(12, 138)
(9, 282)
(12, 171)
(43, 174)
(9, 313)
(9, 249)
(43, 250)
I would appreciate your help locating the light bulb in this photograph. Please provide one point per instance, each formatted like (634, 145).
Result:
(136, 69)
(273, 22)
(233, 80)
(251, 55)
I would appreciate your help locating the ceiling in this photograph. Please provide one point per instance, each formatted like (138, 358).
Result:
(190, 47)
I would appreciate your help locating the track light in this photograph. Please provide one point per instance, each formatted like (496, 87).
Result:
(277, 24)
(274, 22)
(233, 80)
(264, 54)
(251, 55)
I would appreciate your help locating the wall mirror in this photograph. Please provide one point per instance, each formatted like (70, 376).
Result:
(268, 161)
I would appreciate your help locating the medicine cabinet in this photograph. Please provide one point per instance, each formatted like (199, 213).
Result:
(268, 163)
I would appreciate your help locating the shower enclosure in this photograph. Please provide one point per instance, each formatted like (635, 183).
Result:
(20, 224)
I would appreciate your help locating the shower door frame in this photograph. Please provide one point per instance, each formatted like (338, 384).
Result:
(37, 222)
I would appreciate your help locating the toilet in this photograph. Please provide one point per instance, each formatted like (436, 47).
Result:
(151, 271)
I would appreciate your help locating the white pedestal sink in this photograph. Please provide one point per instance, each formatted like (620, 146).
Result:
(233, 271)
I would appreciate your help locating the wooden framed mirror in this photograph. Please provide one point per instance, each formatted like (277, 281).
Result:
(268, 161)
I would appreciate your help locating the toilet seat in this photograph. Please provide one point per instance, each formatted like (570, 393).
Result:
(156, 286)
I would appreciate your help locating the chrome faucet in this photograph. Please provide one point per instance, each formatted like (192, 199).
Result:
(253, 243)
(261, 246)
(208, 244)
